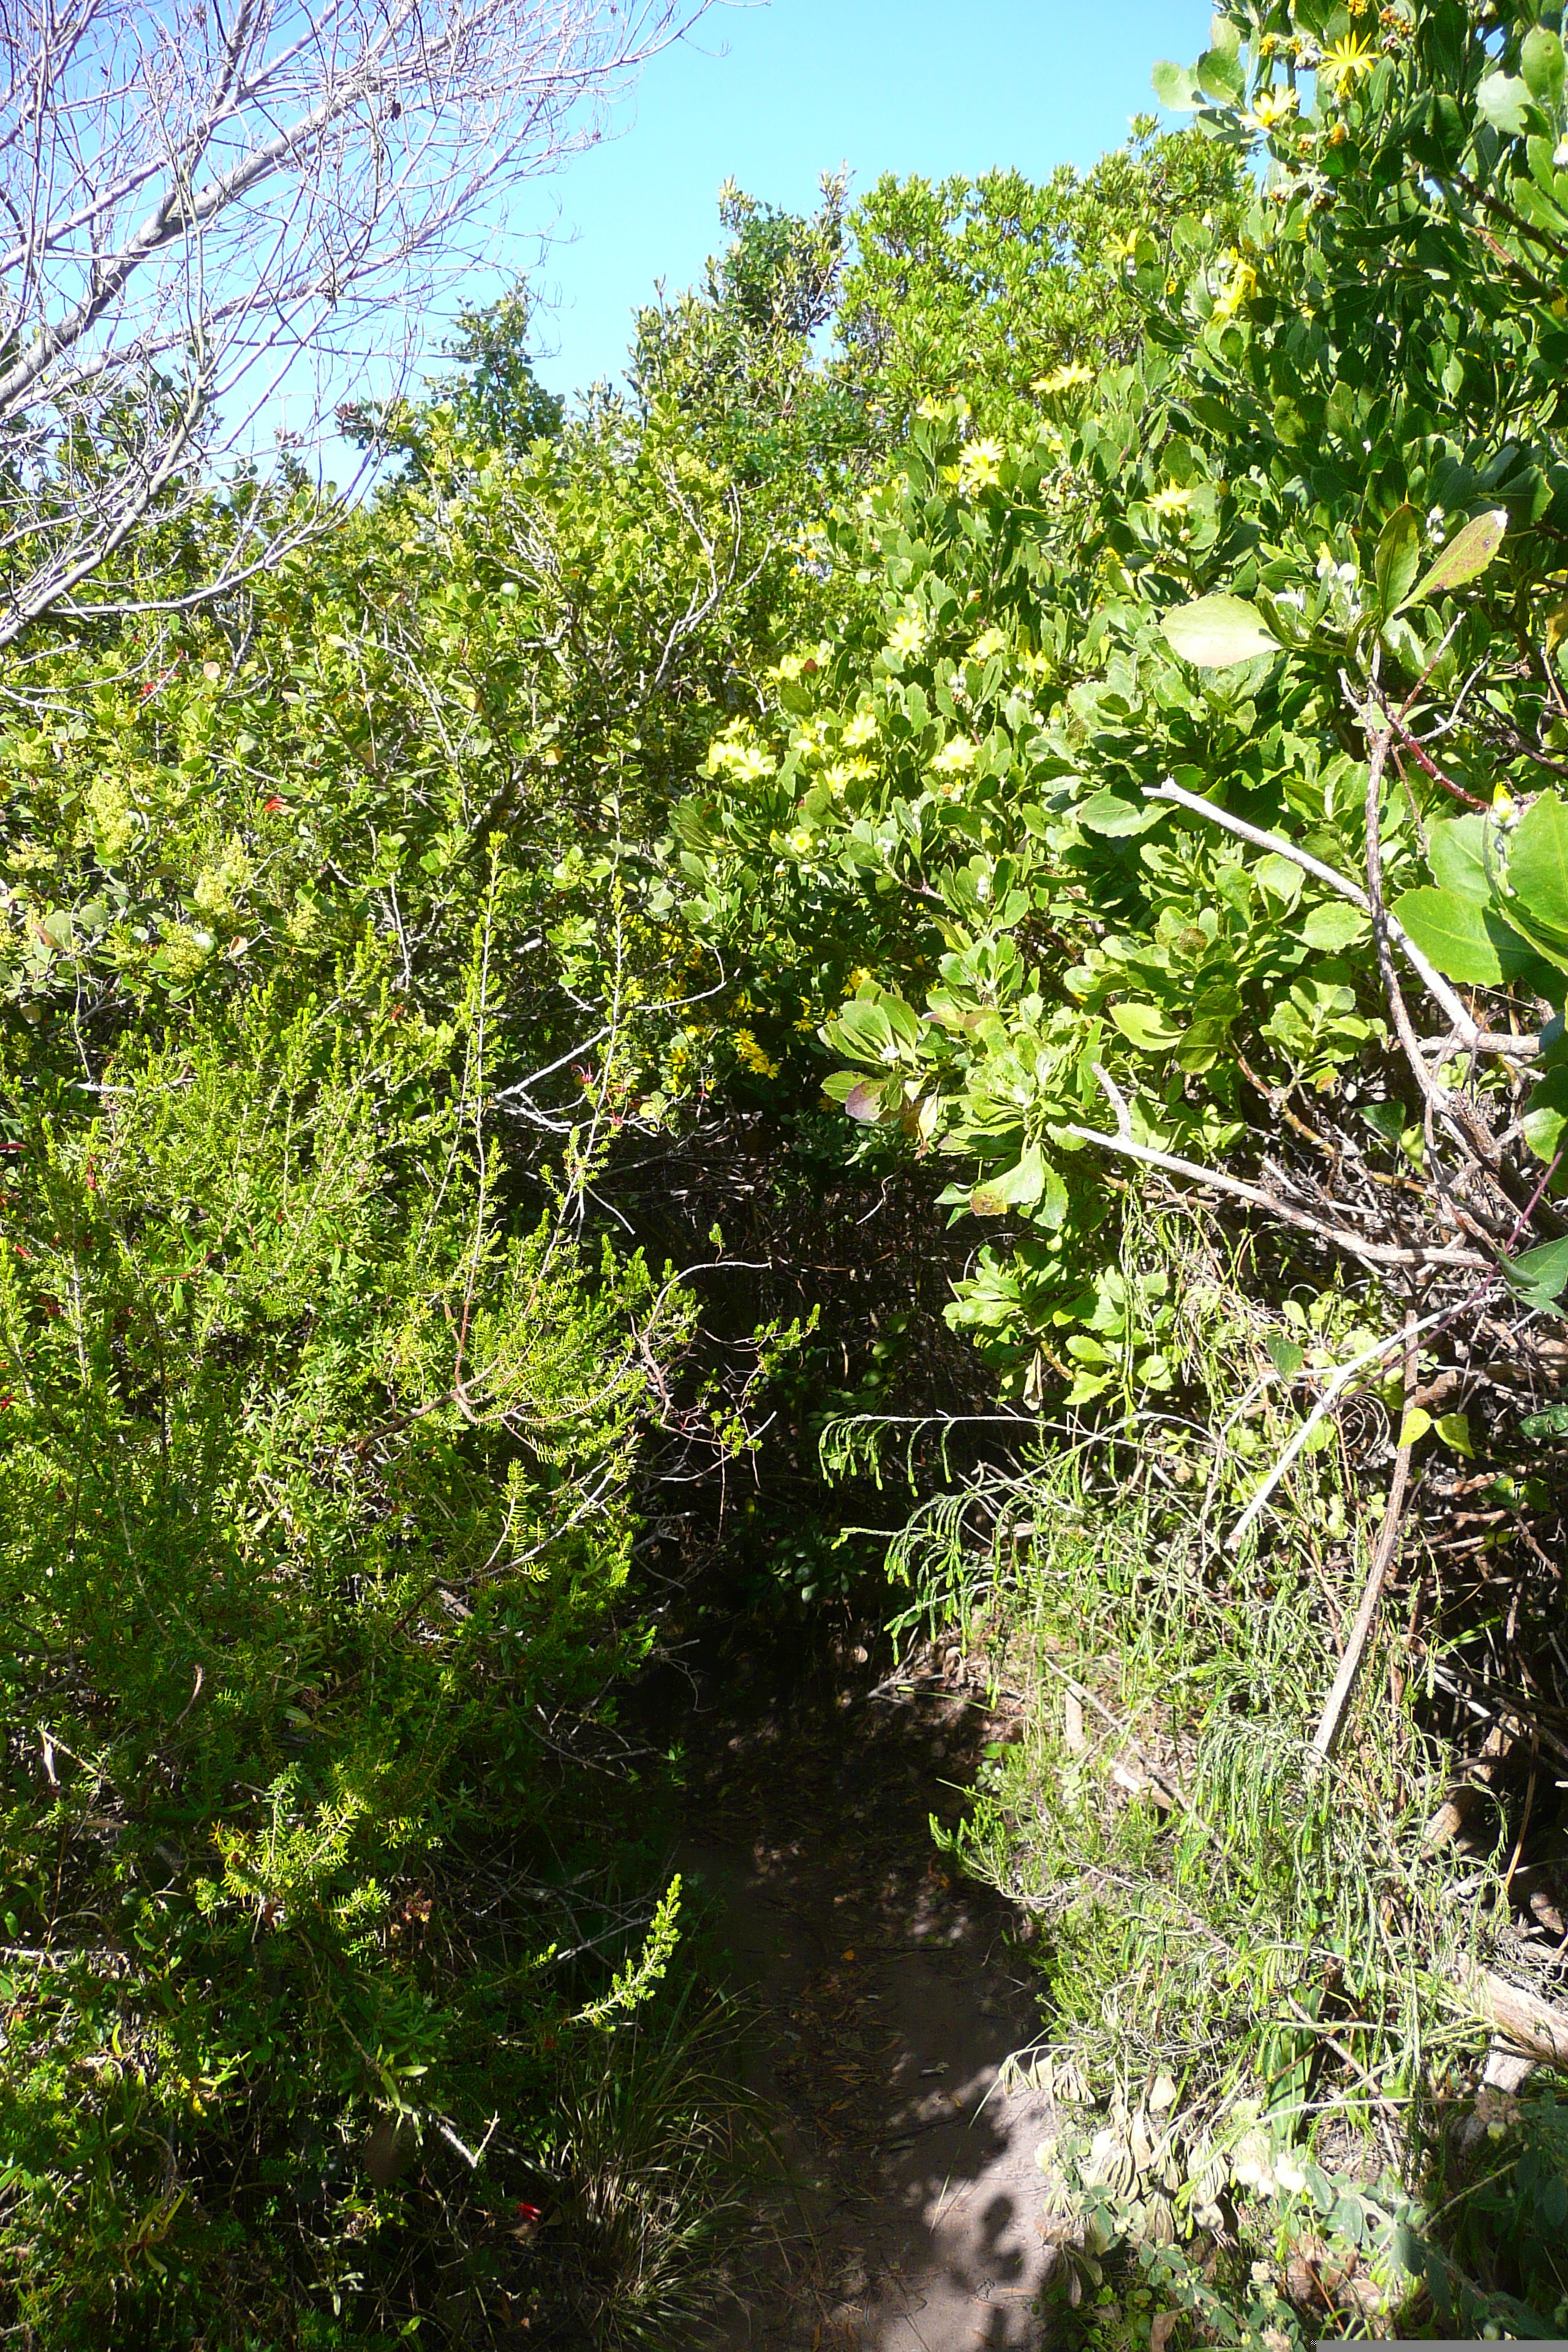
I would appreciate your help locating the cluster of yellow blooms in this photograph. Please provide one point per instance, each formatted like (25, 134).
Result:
(979, 467)
(748, 1052)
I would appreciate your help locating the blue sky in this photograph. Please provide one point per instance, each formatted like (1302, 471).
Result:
(771, 96)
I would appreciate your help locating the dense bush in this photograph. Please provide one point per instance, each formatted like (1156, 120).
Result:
(1017, 752)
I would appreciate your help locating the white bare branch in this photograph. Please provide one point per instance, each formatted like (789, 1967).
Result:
(202, 200)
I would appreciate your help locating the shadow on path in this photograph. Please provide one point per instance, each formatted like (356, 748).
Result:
(886, 2000)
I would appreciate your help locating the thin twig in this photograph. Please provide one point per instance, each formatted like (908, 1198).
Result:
(1344, 1680)
(1370, 1253)
(1337, 1385)
(1477, 1040)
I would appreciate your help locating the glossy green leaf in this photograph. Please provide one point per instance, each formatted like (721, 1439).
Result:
(1465, 558)
(1281, 876)
(1454, 1429)
(1540, 1276)
(1215, 632)
(1335, 926)
(1107, 813)
(1175, 87)
(1540, 62)
(1538, 863)
(1465, 941)
(1504, 102)
(1398, 558)
(1219, 76)
(1147, 1027)
(1546, 1115)
(1051, 1212)
(1018, 1187)
(1456, 853)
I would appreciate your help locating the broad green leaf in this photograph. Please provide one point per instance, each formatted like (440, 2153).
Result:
(1175, 87)
(1220, 76)
(1018, 1187)
(1540, 1276)
(1544, 975)
(1052, 1209)
(864, 1103)
(1414, 1427)
(1538, 863)
(1454, 1429)
(1504, 102)
(1214, 631)
(1546, 1115)
(1540, 62)
(1398, 558)
(1285, 1355)
(1465, 941)
(1281, 877)
(1334, 927)
(1456, 852)
(1203, 1044)
(1107, 813)
(1147, 1027)
(1465, 558)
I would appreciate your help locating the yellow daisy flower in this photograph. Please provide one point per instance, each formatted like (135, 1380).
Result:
(1345, 60)
(979, 467)
(1064, 379)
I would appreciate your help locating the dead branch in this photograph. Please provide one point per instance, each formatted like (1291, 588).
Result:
(211, 215)
(1344, 1681)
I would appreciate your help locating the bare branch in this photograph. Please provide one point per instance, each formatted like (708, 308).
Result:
(1465, 1031)
(204, 211)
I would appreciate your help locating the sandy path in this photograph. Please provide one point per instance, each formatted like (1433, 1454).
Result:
(886, 1999)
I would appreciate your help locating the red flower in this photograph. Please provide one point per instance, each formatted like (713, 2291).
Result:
(527, 2213)
(272, 807)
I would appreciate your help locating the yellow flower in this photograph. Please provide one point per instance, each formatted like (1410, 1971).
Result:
(907, 636)
(861, 729)
(1241, 287)
(955, 756)
(752, 1054)
(1171, 500)
(805, 664)
(843, 772)
(1345, 60)
(1065, 379)
(979, 467)
(1271, 107)
(800, 842)
(989, 642)
(748, 763)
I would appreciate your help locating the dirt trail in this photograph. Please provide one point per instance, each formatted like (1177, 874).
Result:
(886, 1999)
